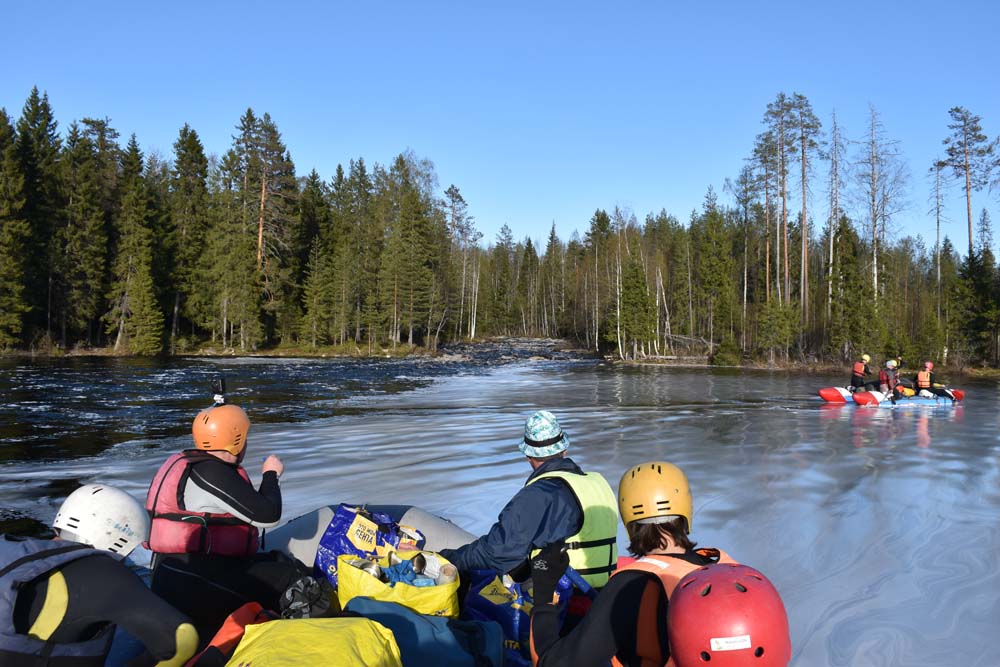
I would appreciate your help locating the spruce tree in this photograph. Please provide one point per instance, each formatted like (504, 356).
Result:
(318, 299)
(185, 241)
(135, 317)
(79, 258)
(38, 147)
(14, 238)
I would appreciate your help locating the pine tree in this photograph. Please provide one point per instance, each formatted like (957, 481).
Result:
(807, 129)
(14, 237)
(970, 155)
(779, 119)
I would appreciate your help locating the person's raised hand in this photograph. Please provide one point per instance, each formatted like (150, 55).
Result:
(273, 463)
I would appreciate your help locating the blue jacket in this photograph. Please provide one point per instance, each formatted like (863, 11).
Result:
(538, 515)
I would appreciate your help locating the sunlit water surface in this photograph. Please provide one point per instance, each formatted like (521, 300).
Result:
(879, 526)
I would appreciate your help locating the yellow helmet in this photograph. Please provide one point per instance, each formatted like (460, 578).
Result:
(221, 428)
(865, 358)
(654, 490)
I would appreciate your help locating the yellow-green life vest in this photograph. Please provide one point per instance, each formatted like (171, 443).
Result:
(593, 552)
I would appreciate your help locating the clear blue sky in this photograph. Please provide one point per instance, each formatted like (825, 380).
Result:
(538, 112)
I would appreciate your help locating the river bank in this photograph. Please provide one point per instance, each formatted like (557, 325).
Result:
(506, 347)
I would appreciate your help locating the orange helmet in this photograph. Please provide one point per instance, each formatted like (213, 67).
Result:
(221, 428)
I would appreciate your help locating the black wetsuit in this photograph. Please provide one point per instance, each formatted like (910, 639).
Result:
(209, 587)
(101, 591)
(611, 627)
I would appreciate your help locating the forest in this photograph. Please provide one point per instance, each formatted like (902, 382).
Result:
(105, 247)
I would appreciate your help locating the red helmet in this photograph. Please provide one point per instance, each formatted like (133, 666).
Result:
(928, 365)
(729, 616)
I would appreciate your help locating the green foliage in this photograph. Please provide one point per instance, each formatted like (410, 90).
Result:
(14, 237)
(79, 249)
(778, 326)
(135, 316)
(239, 254)
(727, 354)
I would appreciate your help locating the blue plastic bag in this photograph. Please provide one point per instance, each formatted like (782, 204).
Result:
(492, 597)
(358, 532)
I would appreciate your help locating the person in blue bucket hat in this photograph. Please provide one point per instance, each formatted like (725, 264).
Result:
(559, 501)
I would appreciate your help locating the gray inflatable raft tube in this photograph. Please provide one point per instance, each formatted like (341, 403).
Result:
(300, 537)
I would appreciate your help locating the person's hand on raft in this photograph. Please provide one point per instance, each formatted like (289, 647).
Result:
(546, 568)
(273, 463)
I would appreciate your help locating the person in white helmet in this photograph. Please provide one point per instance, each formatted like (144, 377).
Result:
(61, 599)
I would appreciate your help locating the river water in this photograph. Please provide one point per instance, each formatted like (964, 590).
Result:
(879, 526)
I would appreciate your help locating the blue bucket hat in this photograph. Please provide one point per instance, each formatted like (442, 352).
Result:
(543, 436)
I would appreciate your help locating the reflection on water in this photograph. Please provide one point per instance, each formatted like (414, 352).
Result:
(878, 525)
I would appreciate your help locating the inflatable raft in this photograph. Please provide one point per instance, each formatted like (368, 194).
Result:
(835, 394)
(878, 398)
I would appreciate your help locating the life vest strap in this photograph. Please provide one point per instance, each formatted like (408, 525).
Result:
(42, 554)
(200, 518)
(592, 543)
(598, 570)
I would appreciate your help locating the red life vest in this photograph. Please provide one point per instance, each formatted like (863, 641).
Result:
(887, 377)
(175, 530)
(923, 379)
(668, 570)
(859, 368)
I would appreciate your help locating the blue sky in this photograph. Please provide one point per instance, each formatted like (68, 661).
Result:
(538, 112)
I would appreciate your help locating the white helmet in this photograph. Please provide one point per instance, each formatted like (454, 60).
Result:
(890, 364)
(103, 517)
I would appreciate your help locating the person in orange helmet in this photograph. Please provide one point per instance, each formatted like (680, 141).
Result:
(629, 621)
(205, 521)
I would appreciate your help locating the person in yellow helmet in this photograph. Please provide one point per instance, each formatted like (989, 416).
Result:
(627, 621)
(206, 516)
(859, 371)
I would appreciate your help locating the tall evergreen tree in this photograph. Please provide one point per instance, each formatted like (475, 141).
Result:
(970, 155)
(135, 318)
(38, 147)
(185, 242)
(15, 235)
(780, 121)
(80, 245)
(807, 129)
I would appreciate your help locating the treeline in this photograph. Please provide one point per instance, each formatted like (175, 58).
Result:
(102, 245)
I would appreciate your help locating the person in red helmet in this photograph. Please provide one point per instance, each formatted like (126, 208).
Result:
(727, 615)
(205, 521)
(627, 624)
(925, 380)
